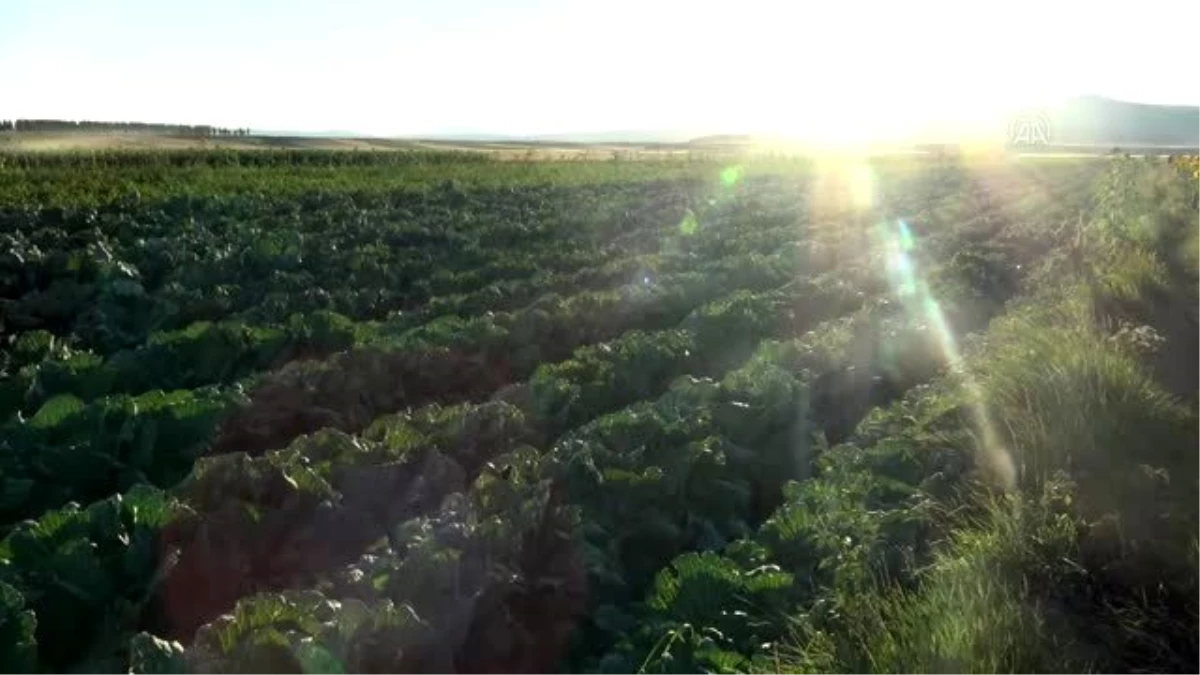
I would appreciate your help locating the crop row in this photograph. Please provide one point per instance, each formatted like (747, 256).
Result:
(575, 515)
(125, 441)
(536, 534)
(220, 352)
(540, 542)
(289, 517)
(164, 269)
(273, 517)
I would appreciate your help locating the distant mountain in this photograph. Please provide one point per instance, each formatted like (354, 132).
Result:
(722, 139)
(1084, 120)
(1096, 120)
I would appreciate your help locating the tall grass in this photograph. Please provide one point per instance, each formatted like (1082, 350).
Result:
(1070, 399)
(1016, 592)
(979, 609)
(1089, 565)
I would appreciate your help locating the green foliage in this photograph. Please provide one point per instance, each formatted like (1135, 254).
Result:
(86, 574)
(293, 632)
(18, 625)
(76, 452)
(1087, 565)
(1015, 591)
(700, 586)
(72, 179)
(604, 376)
(431, 413)
(971, 613)
(148, 654)
(1072, 401)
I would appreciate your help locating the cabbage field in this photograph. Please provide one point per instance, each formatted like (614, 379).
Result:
(426, 412)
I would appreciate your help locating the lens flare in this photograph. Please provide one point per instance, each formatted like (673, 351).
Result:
(689, 224)
(904, 237)
(729, 178)
(732, 175)
(919, 300)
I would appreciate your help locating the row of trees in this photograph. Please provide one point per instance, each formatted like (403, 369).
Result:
(145, 127)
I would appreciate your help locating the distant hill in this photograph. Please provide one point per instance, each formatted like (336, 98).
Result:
(722, 139)
(1095, 120)
(1082, 121)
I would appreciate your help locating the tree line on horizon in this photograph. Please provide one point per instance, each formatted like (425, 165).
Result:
(90, 125)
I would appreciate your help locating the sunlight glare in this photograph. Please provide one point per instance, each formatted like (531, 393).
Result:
(909, 286)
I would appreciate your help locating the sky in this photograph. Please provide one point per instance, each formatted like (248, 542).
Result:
(522, 67)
